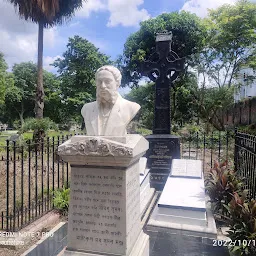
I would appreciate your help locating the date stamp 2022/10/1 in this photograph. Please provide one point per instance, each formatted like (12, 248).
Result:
(231, 243)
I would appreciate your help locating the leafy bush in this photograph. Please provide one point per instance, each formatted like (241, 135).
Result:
(250, 129)
(17, 124)
(242, 223)
(61, 200)
(43, 124)
(221, 183)
(143, 131)
(231, 206)
(39, 127)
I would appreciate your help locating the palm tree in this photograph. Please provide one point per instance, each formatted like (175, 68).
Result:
(47, 13)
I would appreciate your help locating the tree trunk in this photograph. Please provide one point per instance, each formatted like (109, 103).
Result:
(39, 100)
(21, 113)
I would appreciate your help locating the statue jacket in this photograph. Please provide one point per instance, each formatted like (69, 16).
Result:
(121, 114)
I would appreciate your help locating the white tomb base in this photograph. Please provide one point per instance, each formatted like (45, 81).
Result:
(104, 211)
(146, 193)
(182, 204)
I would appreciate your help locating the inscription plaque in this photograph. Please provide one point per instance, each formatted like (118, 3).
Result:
(104, 209)
(162, 150)
(186, 168)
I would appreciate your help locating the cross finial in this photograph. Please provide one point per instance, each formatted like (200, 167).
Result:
(164, 36)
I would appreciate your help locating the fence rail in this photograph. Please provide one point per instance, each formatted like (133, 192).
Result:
(208, 147)
(29, 173)
(245, 160)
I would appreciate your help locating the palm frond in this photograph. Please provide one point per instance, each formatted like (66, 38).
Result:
(48, 12)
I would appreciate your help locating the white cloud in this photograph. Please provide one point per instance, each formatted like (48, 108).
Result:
(74, 24)
(199, 7)
(19, 37)
(126, 12)
(91, 6)
(48, 60)
(143, 81)
(122, 12)
(50, 35)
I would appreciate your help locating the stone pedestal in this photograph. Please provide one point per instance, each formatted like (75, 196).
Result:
(163, 148)
(146, 193)
(104, 211)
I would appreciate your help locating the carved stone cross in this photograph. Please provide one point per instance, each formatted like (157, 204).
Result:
(163, 67)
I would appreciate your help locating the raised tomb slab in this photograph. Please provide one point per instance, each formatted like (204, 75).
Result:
(183, 204)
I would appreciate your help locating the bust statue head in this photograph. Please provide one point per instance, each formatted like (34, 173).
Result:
(110, 113)
(108, 79)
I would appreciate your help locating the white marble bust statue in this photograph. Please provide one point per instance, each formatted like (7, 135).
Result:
(110, 114)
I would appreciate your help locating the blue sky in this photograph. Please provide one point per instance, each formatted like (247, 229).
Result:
(106, 23)
(109, 38)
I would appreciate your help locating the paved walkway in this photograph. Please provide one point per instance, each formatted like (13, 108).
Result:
(166, 244)
(161, 244)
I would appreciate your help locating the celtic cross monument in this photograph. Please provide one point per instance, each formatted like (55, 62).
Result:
(162, 67)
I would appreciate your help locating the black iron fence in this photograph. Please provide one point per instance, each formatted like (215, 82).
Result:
(29, 173)
(245, 160)
(209, 147)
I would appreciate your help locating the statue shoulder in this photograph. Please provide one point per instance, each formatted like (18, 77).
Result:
(88, 107)
(132, 106)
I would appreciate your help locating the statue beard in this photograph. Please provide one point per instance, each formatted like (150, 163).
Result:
(109, 97)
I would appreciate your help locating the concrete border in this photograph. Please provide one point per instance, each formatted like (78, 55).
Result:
(24, 236)
(210, 231)
(58, 226)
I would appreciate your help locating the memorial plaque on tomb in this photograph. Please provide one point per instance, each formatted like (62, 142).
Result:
(162, 150)
(186, 168)
(104, 210)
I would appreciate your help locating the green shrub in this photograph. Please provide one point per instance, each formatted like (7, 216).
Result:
(44, 124)
(143, 131)
(242, 223)
(61, 200)
(17, 124)
(231, 205)
(249, 129)
(39, 128)
(220, 184)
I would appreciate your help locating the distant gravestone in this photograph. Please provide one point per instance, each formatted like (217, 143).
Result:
(3, 127)
(14, 137)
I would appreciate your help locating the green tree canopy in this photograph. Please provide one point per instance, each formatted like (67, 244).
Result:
(144, 96)
(211, 101)
(20, 97)
(46, 13)
(5, 78)
(77, 74)
(188, 39)
(230, 43)
(229, 47)
(183, 105)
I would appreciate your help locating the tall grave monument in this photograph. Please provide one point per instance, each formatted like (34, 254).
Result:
(104, 210)
(162, 67)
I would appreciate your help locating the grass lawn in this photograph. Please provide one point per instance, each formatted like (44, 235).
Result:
(29, 135)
